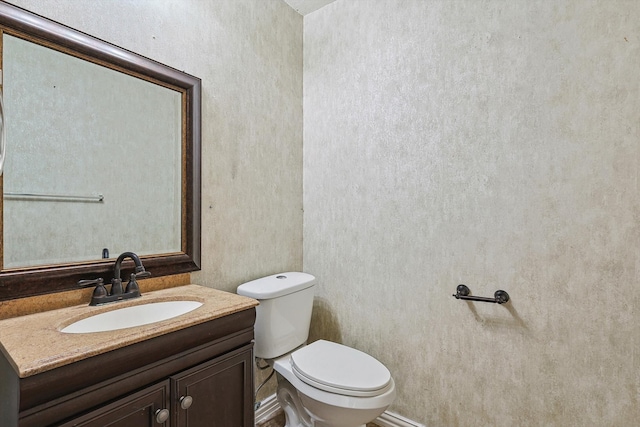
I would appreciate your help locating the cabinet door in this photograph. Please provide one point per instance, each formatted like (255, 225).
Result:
(218, 393)
(140, 409)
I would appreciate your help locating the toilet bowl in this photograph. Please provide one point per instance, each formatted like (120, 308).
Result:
(322, 384)
(335, 386)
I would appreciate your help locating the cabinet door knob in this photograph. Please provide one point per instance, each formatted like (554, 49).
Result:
(162, 415)
(185, 402)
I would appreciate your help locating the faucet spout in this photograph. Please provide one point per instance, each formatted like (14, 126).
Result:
(136, 261)
(132, 286)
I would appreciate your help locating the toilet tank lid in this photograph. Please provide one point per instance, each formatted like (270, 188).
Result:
(276, 285)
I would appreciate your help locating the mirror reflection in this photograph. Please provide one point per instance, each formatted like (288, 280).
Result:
(93, 160)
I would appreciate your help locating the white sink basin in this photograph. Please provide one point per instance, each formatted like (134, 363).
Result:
(129, 317)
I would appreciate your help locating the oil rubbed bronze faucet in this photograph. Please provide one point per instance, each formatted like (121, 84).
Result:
(100, 294)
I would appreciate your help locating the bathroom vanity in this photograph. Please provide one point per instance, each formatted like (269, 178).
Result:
(192, 370)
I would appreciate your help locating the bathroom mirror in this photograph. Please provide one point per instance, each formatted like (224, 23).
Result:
(103, 156)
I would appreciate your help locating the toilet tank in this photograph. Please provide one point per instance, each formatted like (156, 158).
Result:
(284, 313)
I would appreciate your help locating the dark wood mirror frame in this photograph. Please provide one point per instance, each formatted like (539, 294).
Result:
(31, 281)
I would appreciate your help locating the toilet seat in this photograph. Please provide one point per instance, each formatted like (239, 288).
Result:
(336, 402)
(340, 369)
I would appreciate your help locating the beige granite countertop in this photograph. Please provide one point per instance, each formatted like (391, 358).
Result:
(34, 343)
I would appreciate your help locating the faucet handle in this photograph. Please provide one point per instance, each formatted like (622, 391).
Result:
(132, 286)
(99, 293)
(91, 282)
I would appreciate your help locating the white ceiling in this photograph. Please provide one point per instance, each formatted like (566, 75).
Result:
(304, 7)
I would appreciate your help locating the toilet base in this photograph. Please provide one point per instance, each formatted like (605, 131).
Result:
(303, 411)
(295, 415)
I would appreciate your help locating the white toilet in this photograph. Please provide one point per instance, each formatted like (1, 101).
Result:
(323, 384)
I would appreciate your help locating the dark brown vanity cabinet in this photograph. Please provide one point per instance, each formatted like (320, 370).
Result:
(200, 376)
(215, 394)
(147, 407)
(211, 394)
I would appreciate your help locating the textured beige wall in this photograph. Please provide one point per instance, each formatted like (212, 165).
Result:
(493, 143)
(248, 54)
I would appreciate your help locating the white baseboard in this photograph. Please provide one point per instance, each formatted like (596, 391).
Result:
(270, 406)
(389, 419)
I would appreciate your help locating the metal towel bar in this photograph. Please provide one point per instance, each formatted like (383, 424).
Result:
(54, 197)
(463, 292)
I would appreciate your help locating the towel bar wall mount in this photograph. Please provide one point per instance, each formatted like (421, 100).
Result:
(463, 292)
